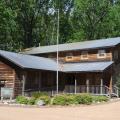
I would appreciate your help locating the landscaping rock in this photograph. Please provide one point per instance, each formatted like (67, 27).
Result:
(40, 103)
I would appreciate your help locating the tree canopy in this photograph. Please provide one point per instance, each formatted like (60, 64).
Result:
(30, 23)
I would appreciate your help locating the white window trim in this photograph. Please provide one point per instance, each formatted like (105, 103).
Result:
(84, 58)
(69, 56)
(98, 56)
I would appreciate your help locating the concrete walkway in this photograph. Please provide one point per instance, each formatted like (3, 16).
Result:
(110, 111)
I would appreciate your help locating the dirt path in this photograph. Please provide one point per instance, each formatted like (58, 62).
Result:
(109, 111)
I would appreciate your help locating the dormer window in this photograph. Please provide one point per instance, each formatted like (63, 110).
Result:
(101, 54)
(69, 56)
(84, 55)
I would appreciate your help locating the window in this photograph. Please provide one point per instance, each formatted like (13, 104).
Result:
(101, 54)
(84, 55)
(116, 54)
(69, 56)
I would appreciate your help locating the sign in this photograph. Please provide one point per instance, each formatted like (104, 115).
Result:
(6, 92)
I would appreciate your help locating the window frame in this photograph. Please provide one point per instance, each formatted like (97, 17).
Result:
(83, 54)
(101, 52)
(69, 56)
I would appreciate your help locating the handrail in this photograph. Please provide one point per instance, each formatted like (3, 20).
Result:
(115, 90)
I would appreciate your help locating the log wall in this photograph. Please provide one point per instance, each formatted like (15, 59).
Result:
(7, 75)
(10, 78)
(76, 56)
(18, 83)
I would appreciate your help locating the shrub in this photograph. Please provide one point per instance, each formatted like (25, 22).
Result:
(59, 100)
(21, 100)
(100, 98)
(31, 101)
(71, 99)
(39, 94)
(84, 98)
(63, 99)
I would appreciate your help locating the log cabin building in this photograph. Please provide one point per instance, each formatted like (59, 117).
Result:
(84, 67)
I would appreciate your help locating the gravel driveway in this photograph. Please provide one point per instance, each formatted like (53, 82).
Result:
(110, 111)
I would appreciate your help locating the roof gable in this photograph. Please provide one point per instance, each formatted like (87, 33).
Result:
(29, 61)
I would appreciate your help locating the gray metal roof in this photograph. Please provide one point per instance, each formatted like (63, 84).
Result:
(40, 63)
(87, 67)
(29, 62)
(102, 43)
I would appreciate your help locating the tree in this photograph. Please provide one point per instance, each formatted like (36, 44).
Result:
(8, 28)
(29, 23)
(89, 16)
(30, 12)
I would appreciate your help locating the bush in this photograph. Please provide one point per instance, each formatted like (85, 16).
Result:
(31, 101)
(100, 98)
(84, 98)
(21, 100)
(63, 99)
(59, 100)
(39, 94)
(72, 99)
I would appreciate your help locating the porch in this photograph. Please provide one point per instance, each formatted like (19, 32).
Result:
(74, 83)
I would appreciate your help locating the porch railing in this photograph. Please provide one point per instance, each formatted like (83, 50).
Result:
(115, 91)
(93, 89)
(85, 89)
(71, 89)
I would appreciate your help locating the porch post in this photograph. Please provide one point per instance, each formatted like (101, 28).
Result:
(110, 86)
(101, 86)
(39, 82)
(23, 84)
(87, 84)
(75, 86)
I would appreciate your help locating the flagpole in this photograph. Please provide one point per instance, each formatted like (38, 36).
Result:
(57, 76)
